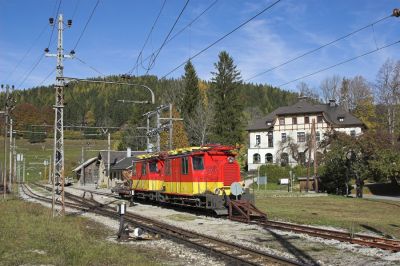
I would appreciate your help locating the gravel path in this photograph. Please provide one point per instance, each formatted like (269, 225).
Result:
(292, 245)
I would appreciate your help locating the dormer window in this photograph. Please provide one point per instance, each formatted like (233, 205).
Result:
(341, 118)
(268, 123)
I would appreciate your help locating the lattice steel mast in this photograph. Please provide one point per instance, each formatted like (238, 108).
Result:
(58, 160)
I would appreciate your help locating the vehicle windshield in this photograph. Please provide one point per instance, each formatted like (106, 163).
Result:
(153, 167)
(198, 162)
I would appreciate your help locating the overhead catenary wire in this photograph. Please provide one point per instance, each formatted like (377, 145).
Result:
(32, 69)
(179, 32)
(46, 78)
(222, 37)
(318, 48)
(54, 24)
(75, 9)
(27, 52)
(86, 25)
(91, 67)
(340, 63)
(149, 34)
(151, 64)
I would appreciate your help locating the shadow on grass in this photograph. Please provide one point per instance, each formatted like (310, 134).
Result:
(376, 231)
(300, 255)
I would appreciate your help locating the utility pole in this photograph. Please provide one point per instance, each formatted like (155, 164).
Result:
(314, 144)
(161, 126)
(58, 161)
(5, 142)
(108, 159)
(170, 127)
(23, 173)
(83, 167)
(10, 153)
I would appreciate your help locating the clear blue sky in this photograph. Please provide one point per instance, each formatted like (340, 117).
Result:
(118, 28)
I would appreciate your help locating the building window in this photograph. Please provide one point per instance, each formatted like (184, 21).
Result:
(353, 133)
(284, 159)
(143, 168)
(198, 162)
(318, 136)
(341, 118)
(306, 120)
(153, 167)
(256, 158)
(269, 158)
(258, 140)
(185, 165)
(281, 121)
(294, 120)
(167, 166)
(284, 137)
(301, 137)
(270, 139)
(320, 119)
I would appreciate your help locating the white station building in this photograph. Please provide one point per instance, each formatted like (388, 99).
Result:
(269, 134)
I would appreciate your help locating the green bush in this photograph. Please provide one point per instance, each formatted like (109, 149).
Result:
(276, 172)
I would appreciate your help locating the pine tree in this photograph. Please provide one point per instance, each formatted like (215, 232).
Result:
(191, 94)
(225, 93)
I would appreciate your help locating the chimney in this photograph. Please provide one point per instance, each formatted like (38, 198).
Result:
(128, 152)
(332, 103)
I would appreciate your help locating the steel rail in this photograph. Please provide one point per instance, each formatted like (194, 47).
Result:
(230, 252)
(364, 240)
(360, 239)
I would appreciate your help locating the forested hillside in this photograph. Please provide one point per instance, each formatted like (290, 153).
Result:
(97, 104)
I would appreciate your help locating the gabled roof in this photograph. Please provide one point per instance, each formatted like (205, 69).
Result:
(126, 163)
(86, 163)
(331, 112)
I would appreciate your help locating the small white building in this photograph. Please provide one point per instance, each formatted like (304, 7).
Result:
(269, 134)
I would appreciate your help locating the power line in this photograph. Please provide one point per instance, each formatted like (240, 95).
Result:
(318, 48)
(149, 34)
(223, 37)
(54, 25)
(46, 78)
(26, 53)
(75, 9)
(87, 23)
(340, 63)
(33, 68)
(91, 67)
(179, 32)
(151, 64)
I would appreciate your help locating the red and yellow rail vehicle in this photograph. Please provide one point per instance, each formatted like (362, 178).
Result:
(199, 177)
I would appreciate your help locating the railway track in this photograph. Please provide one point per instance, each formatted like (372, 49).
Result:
(364, 240)
(232, 253)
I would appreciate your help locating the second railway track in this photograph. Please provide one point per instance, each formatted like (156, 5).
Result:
(232, 253)
(360, 239)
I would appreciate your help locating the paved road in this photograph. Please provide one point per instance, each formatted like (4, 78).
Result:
(394, 198)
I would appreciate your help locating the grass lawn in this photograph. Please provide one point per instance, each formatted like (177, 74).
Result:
(28, 236)
(349, 213)
(36, 153)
